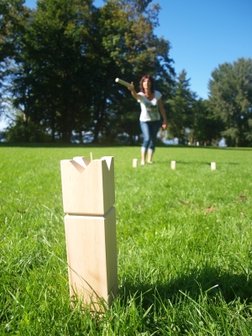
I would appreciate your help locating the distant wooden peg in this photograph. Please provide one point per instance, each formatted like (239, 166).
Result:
(173, 165)
(134, 163)
(213, 165)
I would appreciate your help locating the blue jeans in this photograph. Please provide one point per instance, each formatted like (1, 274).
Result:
(150, 130)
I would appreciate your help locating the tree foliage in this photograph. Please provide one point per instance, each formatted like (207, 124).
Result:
(58, 63)
(205, 127)
(50, 84)
(231, 100)
(181, 108)
(130, 49)
(13, 16)
(69, 54)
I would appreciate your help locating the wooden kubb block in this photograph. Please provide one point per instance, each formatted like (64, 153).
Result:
(88, 188)
(90, 227)
(92, 257)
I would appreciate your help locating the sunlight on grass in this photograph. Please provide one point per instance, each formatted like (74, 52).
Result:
(184, 244)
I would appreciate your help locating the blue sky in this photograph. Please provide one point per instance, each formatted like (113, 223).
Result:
(204, 34)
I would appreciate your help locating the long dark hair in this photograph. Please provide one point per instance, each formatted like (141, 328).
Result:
(152, 88)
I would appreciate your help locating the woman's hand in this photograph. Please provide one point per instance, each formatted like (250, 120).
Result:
(163, 114)
(164, 125)
(131, 88)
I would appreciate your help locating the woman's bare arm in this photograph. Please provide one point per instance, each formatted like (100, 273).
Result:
(163, 113)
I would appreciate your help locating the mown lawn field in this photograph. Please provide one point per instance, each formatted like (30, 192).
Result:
(184, 241)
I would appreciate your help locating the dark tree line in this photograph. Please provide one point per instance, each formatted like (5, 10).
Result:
(58, 64)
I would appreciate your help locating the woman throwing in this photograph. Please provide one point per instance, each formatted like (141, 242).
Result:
(152, 109)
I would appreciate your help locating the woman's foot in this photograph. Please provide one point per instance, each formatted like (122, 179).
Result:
(149, 156)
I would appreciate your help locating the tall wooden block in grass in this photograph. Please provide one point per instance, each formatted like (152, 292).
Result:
(90, 227)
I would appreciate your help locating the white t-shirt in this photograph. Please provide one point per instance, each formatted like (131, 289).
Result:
(149, 108)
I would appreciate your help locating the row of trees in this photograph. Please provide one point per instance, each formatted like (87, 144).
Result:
(58, 64)
(226, 113)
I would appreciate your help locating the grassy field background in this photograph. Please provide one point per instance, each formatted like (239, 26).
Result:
(183, 236)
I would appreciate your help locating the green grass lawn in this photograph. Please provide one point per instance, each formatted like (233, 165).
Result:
(184, 241)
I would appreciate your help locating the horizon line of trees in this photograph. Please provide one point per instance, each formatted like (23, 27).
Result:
(58, 63)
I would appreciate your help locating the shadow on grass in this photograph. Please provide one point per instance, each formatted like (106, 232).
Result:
(210, 282)
(169, 308)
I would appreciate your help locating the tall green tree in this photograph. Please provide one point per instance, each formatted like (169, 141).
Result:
(53, 72)
(181, 107)
(231, 100)
(13, 17)
(206, 128)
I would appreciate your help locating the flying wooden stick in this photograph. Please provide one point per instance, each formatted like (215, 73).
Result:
(122, 82)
